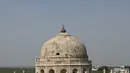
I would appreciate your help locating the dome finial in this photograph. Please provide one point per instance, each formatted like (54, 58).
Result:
(63, 29)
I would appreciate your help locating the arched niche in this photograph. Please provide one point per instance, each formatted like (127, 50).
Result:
(51, 71)
(75, 70)
(84, 70)
(42, 71)
(63, 71)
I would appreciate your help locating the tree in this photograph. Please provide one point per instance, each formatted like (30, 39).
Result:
(104, 67)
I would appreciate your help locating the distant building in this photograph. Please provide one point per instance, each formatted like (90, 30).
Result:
(120, 69)
(63, 54)
(94, 68)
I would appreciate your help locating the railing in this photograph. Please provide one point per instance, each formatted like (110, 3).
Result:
(62, 63)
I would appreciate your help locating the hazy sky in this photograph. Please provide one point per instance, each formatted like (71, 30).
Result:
(103, 26)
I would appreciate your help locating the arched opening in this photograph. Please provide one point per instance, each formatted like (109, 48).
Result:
(84, 70)
(42, 71)
(63, 71)
(51, 71)
(75, 71)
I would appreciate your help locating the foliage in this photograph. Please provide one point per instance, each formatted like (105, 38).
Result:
(18, 70)
(104, 67)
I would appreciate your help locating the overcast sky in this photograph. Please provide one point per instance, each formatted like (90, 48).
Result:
(102, 25)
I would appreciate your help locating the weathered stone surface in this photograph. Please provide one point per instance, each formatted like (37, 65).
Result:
(63, 45)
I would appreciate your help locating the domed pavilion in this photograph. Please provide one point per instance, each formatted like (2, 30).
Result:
(63, 54)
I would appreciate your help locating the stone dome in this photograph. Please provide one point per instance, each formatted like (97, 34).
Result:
(63, 45)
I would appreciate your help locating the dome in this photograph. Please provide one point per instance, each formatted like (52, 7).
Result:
(63, 45)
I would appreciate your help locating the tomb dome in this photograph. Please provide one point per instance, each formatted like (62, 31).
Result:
(64, 45)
